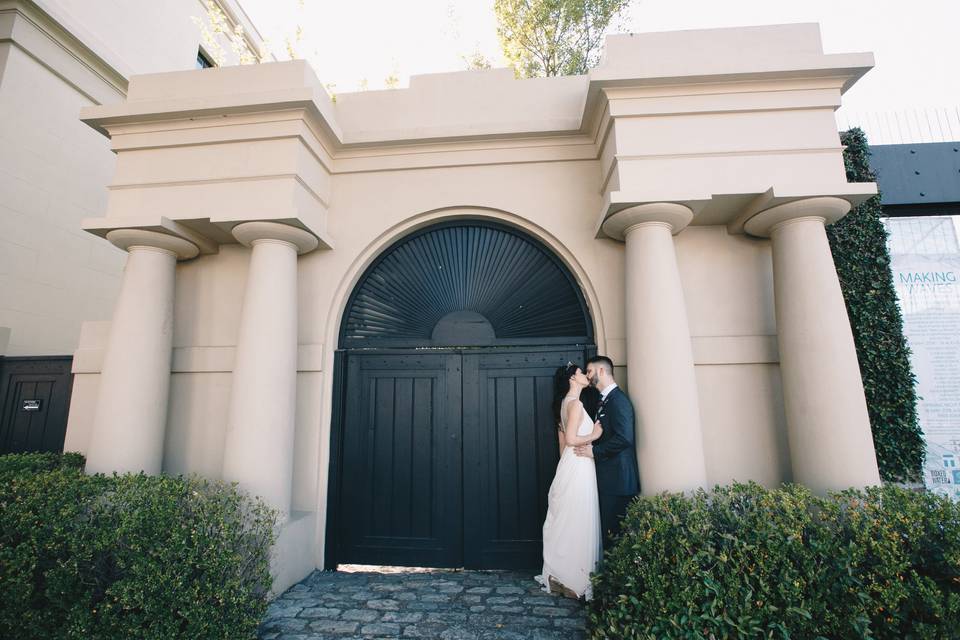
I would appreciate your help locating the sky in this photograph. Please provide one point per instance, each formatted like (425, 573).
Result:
(352, 42)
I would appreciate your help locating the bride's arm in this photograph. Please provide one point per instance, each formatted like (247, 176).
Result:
(571, 438)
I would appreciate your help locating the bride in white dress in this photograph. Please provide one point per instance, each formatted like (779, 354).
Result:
(572, 543)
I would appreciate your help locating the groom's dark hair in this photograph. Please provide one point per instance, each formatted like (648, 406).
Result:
(602, 360)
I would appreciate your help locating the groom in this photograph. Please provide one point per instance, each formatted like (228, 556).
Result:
(615, 454)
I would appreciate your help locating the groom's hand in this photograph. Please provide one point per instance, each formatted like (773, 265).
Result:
(584, 450)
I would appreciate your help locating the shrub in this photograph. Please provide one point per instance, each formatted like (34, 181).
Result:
(746, 562)
(36, 462)
(129, 556)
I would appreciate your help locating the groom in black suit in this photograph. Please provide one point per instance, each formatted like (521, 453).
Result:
(618, 479)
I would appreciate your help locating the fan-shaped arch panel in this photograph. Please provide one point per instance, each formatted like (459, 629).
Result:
(470, 273)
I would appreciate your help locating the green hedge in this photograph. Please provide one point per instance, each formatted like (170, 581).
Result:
(36, 462)
(746, 562)
(860, 253)
(128, 556)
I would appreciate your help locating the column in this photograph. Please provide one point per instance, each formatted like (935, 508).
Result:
(258, 452)
(663, 385)
(831, 445)
(131, 412)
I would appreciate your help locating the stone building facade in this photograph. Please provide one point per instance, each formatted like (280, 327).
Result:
(354, 308)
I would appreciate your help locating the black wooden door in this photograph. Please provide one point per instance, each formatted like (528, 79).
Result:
(401, 484)
(34, 403)
(447, 457)
(510, 453)
(443, 445)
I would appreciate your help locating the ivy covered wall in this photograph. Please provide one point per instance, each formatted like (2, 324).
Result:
(860, 253)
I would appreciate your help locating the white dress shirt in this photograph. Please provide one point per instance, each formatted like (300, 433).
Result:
(606, 391)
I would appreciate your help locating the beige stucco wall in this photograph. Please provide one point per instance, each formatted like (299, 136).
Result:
(53, 276)
(725, 136)
(57, 57)
(728, 288)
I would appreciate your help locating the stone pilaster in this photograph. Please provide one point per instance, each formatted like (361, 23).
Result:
(831, 445)
(258, 451)
(131, 410)
(663, 385)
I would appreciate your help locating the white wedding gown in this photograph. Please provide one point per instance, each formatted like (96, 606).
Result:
(572, 544)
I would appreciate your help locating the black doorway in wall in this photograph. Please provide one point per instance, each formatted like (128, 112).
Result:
(34, 403)
(443, 444)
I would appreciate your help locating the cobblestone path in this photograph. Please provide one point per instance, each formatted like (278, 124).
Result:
(450, 605)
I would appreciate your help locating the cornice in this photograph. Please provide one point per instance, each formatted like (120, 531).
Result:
(150, 123)
(557, 119)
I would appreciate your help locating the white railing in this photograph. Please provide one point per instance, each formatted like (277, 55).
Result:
(905, 126)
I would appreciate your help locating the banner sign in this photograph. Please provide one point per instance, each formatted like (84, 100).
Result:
(928, 288)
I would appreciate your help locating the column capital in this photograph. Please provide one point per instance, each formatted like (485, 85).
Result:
(828, 209)
(673, 215)
(127, 239)
(248, 233)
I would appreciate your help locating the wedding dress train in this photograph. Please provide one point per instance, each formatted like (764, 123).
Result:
(572, 543)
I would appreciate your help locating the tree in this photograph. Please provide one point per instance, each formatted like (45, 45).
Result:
(217, 29)
(477, 60)
(555, 37)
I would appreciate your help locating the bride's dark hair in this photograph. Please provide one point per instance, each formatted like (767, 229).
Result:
(561, 386)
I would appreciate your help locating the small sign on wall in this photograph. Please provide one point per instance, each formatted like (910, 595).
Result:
(31, 405)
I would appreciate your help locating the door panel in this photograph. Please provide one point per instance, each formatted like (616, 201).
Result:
(510, 455)
(35, 400)
(401, 488)
(447, 457)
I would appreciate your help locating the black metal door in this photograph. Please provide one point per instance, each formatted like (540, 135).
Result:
(34, 403)
(447, 457)
(401, 465)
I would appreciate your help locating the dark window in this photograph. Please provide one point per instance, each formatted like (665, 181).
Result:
(203, 62)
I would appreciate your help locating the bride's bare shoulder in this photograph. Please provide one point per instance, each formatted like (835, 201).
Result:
(572, 408)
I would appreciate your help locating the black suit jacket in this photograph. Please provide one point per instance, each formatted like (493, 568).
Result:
(615, 452)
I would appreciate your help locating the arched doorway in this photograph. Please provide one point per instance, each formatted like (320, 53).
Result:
(443, 446)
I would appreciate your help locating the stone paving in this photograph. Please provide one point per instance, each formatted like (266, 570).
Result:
(436, 603)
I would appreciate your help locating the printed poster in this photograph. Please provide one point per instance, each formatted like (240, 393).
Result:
(928, 288)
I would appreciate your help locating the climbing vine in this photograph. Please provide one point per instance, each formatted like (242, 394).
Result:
(860, 253)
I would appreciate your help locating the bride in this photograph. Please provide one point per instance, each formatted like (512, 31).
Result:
(571, 532)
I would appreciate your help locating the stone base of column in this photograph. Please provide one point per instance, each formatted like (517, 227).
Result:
(292, 559)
